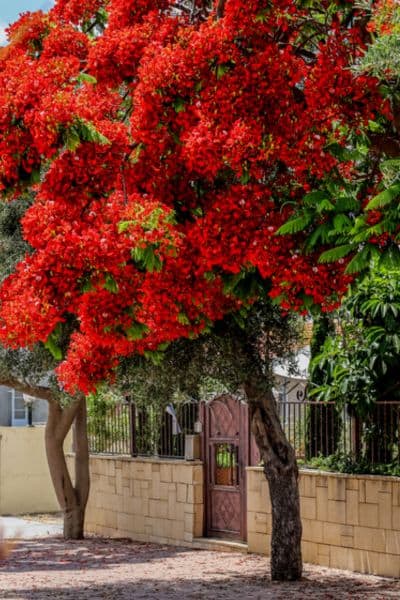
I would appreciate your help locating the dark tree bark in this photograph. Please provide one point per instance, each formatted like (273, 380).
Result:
(281, 472)
(71, 497)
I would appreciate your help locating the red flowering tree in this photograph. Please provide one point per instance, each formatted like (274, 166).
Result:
(165, 143)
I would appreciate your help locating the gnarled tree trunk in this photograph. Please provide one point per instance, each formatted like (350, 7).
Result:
(71, 497)
(281, 472)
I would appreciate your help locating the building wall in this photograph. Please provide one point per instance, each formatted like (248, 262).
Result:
(149, 500)
(5, 406)
(39, 408)
(349, 521)
(25, 483)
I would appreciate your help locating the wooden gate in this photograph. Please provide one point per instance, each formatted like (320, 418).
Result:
(226, 454)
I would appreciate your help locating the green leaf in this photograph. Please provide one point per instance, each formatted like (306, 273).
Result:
(136, 331)
(89, 133)
(335, 254)
(110, 284)
(52, 345)
(85, 77)
(313, 198)
(146, 258)
(295, 225)
(384, 198)
(71, 138)
(360, 261)
(390, 258)
(179, 105)
(182, 318)
(154, 356)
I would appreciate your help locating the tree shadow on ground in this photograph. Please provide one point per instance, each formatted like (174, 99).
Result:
(249, 588)
(97, 569)
(57, 554)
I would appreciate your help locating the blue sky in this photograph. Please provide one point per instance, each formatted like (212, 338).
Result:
(10, 9)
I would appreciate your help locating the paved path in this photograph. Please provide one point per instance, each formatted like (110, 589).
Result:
(30, 528)
(98, 569)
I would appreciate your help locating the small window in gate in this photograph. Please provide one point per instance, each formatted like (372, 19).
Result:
(226, 465)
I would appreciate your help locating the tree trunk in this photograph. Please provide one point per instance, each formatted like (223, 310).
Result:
(281, 472)
(72, 499)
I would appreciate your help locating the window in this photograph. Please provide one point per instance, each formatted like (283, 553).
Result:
(19, 410)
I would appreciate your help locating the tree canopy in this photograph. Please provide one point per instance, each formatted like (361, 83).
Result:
(165, 143)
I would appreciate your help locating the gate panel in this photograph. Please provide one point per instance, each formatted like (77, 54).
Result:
(226, 445)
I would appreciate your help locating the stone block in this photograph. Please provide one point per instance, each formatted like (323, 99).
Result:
(393, 543)
(385, 510)
(259, 543)
(332, 534)
(158, 508)
(257, 502)
(396, 517)
(336, 511)
(309, 551)
(307, 484)
(322, 503)
(261, 523)
(110, 519)
(368, 515)
(396, 493)
(362, 490)
(198, 523)
(182, 473)
(339, 557)
(312, 530)
(166, 472)
(352, 507)
(118, 481)
(188, 520)
(323, 556)
(198, 474)
(372, 490)
(351, 483)
(125, 522)
(308, 507)
(368, 538)
(112, 502)
(338, 535)
(155, 468)
(322, 481)
(336, 488)
(253, 480)
(198, 496)
(154, 489)
(388, 565)
(181, 492)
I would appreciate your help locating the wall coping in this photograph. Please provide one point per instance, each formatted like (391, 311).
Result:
(336, 474)
(146, 459)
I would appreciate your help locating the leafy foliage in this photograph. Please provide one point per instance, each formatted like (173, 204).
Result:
(358, 364)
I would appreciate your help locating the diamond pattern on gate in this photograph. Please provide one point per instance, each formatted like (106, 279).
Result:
(226, 513)
(224, 417)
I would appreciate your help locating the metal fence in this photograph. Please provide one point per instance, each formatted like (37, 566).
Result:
(143, 431)
(322, 429)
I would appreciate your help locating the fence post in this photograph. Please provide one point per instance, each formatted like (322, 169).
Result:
(132, 423)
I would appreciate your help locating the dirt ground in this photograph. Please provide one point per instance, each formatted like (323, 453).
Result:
(119, 569)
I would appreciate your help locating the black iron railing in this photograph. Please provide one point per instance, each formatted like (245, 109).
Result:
(323, 429)
(143, 430)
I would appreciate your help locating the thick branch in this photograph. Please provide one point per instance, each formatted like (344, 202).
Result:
(27, 388)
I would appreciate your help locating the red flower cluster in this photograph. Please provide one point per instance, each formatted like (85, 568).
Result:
(163, 152)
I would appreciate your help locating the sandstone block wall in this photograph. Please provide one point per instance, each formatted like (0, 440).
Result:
(349, 521)
(149, 500)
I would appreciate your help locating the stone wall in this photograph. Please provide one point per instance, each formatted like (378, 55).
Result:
(149, 500)
(349, 521)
